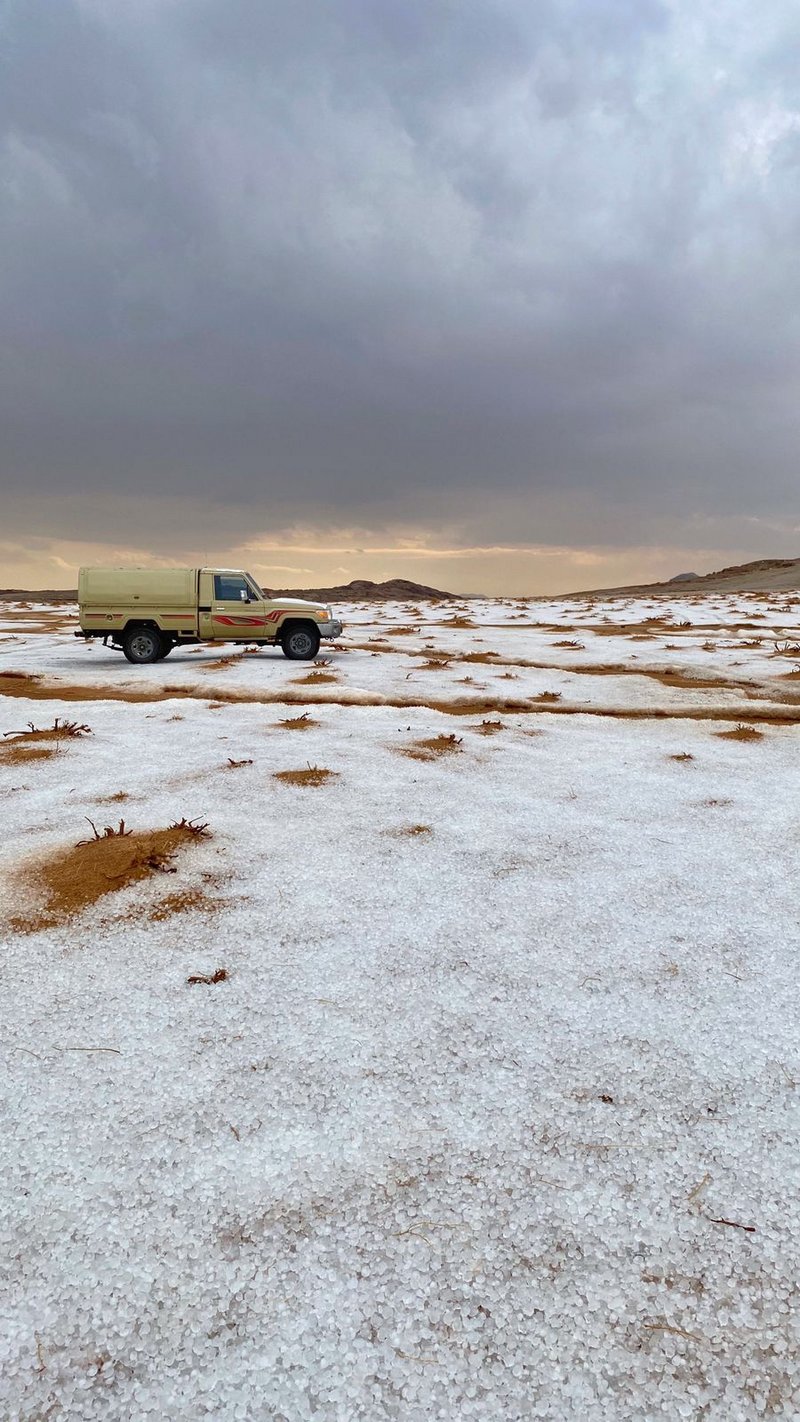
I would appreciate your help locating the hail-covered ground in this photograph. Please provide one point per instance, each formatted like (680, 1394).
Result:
(494, 1113)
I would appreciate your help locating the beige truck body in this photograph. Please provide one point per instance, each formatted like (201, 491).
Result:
(146, 612)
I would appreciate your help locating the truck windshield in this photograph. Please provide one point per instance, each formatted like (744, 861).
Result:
(255, 590)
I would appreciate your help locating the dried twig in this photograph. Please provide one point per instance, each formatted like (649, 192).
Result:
(698, 1189)
(734, 1224)
(220, 976)
(669, 1328)
(108, 833)
(191, 827)
(115, 1050)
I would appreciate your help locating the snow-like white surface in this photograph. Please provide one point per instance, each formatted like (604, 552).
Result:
(374, 1175)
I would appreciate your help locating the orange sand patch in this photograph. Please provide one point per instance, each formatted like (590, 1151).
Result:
(66, 883)
(432, 747)
(741, 733)
(313, 775)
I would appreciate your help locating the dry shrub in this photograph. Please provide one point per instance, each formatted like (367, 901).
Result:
(786, 649)
(681, 756)
(413, 831)
(108, 833)
(403, 631)
(236, 764)
(117, 799)
(485, 657)
(741, 733)
(432, 747)
(298, 723)
(434, 664)
(21, 747)
(546, 696)
(312, 775)
(220, 976)
(570, 643)
(489, 728)
(68, 882)
(314, 678)
(59, 731)
(458, 620)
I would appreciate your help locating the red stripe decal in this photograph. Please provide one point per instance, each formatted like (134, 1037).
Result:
(240, 621)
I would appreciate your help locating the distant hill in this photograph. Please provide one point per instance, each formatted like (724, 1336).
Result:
(39, 595)
(361, 590)
(763, 575)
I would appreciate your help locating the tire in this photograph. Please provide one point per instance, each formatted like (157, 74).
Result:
(300, 641)
(167, 645)
(142, 644)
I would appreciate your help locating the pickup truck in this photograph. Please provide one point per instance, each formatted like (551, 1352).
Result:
(146, 612)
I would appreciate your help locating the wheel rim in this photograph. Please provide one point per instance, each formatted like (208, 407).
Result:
(142, 646)
(301, 644)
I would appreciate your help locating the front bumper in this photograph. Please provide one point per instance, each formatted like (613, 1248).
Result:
(333, 628)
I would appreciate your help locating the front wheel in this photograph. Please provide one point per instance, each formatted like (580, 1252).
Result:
(142, 644)
(300, 641)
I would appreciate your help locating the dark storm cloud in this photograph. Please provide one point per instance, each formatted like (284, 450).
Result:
(363, 258)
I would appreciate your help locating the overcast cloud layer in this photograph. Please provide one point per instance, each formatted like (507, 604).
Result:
(343, 273)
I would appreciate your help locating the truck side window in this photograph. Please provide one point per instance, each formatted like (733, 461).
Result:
(229, 588)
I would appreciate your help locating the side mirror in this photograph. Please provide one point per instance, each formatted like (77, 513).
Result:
(243, 595)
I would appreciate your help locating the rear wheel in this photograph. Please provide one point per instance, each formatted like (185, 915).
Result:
(167, 645)
(142, 644)
(300, 641)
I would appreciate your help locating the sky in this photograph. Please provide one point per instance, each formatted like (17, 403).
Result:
(497, 295)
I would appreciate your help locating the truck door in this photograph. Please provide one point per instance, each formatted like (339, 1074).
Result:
(228, 608)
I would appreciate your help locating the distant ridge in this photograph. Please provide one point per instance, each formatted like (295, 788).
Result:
(762, 575)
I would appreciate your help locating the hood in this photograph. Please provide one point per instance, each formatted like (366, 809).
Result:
(294, 602)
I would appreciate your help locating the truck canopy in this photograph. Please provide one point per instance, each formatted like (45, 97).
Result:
(166, 587)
